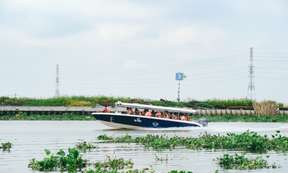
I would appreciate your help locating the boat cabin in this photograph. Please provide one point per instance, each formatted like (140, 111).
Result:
(154, 111)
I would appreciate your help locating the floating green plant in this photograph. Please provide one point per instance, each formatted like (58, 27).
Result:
(61, 161)
(237, 161)
(105, 137)
(179, 171)
(246, 141)
(6, 146)
(85, 146)
(114, 165)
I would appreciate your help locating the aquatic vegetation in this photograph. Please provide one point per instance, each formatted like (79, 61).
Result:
(61, 161)
(246, 141)
(179, 171)
(114, 165)
(104, 137)
(237, 161)
(85, 146)
(6, 146)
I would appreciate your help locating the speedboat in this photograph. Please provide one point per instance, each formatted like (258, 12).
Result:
(136, 120)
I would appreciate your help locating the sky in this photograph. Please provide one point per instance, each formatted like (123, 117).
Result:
(134, 48)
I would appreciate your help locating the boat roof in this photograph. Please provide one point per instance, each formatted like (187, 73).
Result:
(157, 108)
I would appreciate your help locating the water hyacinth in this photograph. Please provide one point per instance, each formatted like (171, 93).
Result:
(114, 165)
(246, 141)
(179, 171)
(61, 161)
(85, 146)
(6, 146)
(237, 161)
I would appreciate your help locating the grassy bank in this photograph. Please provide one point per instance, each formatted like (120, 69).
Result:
(104, 100)
(210, 118)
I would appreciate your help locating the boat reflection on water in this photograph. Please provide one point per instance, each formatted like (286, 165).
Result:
(148, 117)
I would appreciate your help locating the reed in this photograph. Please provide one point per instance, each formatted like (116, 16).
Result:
(266, 108)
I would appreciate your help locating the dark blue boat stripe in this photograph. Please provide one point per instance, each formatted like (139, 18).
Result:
(142, 121)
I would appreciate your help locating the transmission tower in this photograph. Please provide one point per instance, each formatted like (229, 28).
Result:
(251, 85)
(57, 92)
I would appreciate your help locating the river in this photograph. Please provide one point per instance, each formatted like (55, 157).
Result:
(30, 138)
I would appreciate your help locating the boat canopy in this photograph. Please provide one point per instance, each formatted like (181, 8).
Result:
(156, 108)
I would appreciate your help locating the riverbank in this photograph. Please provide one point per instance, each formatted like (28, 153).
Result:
(241, 103)
(210, 118)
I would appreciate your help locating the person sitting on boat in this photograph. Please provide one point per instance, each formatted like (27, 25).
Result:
(158, 114)
(153, 113)
(106, 109)
(166, 115)
(183, 117)
(137, 112)
(148, 113)
(188, 117)
(174, 116)
(129, 111)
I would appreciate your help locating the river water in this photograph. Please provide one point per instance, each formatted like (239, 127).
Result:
(30, 138)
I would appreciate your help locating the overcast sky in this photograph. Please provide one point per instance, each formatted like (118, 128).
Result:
(134, 47)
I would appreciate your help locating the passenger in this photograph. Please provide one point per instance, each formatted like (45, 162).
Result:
(166, 115)
(148, 114)
(137, 111)
(174, 116)
(183, 117)
(153, 113)
(129, 111)
(106, 109)
(188, 117)
(158, 115)
(169, 116)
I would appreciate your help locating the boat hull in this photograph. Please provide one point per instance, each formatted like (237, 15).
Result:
(141, 122)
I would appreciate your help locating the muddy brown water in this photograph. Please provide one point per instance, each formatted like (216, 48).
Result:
(30, 138)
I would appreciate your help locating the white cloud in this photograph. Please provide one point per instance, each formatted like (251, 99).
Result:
(92, 8)
(135, 40)
(270, 8)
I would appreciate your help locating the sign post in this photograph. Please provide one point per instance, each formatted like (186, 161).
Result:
(179, 77)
